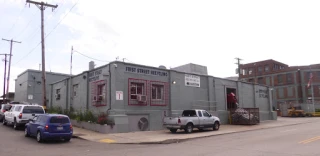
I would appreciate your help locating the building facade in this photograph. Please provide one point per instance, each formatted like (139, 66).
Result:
(129, 92)
(28, 86)
(289, 83)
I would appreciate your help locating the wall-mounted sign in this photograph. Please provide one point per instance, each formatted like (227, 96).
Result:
(146, 71)
(192, 80)
(30, 97)
(119, 95)
(262, 93)
(94, 76)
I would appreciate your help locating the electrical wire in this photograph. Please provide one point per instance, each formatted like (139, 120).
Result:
(90, 57)
(47, 34)
(25, 28)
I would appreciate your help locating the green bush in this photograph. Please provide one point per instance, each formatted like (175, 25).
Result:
(317, 110)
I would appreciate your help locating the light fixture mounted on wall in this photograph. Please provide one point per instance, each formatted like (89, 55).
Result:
(174, 82)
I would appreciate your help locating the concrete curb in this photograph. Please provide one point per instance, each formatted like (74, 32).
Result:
(171, 141)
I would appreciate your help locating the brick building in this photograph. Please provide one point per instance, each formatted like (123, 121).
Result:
(289, 82)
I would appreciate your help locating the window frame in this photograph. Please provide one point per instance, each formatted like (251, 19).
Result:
(157, 87)
(95, 85)
(144, 90)
(266, 68)
(165, 94)
(205, 112)
(75, 90)
(136, 89)
(279, 77)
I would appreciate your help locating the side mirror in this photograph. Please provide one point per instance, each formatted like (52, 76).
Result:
(210, 115)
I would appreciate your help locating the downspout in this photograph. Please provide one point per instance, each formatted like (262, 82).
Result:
(67, 94)
(170, 82)
(109, 88)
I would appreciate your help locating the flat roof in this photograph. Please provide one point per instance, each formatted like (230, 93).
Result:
(39, 71)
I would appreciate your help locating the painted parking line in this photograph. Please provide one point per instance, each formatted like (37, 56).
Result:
(107, 140)
(310, 140)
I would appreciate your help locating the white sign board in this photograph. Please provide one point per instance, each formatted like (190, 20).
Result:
(192, 80)
(30, 97)
(119, 95)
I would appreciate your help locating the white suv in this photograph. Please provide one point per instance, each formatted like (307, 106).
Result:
(20, 114)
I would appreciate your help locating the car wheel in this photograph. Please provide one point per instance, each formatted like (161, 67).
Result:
(189, 128)
(4, 121)
(216, 126)
(173, 130)
(26, 134)
(39, 138)
(15, 125)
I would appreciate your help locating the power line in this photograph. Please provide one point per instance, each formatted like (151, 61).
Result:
(32, 50)
(25, 28)
(90, 57)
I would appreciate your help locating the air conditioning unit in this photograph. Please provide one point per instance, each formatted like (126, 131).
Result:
(57, 96)
(142, 98)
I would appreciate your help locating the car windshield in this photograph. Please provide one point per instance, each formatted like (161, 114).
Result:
(32, 109)
(59, 119)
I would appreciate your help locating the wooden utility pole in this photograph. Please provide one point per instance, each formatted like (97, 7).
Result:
(4, 77)
(8, 79)
(238, 63)
(42, 6)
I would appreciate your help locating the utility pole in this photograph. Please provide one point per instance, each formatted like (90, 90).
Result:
(8, 79)
(4, 77)
(42, 6)
(71, 84)
(238, 63)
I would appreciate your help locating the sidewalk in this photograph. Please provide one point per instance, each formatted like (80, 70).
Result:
(166, 137)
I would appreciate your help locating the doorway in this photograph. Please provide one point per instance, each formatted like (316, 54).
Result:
(231, 98)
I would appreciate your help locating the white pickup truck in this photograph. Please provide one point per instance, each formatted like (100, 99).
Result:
(190, 119)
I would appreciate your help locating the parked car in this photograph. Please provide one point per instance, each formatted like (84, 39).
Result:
(3, 109)
(19, 114)
(49, 126)
(191, 119)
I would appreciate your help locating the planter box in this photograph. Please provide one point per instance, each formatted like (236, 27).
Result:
(95, 127)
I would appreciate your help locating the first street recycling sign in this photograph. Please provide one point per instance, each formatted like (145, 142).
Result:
(192, 80)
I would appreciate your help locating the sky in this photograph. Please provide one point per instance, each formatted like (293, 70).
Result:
(160, 32)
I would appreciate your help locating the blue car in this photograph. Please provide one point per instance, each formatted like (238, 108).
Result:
(49, 127)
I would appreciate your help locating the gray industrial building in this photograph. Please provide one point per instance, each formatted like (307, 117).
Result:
(28, 86)
(131, 91)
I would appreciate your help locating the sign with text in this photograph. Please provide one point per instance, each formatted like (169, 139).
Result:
(146, 71)
(262, 93)
(192, 80)
(94, 76)
(119, 95)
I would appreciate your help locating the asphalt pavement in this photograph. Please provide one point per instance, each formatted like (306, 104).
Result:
(303, 139)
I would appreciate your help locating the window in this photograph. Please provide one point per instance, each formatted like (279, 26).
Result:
(33, 110)
(318, 74)
(260, 69)
(199, 114)
(268, 81)
(280, 92)
(75, 89)
(43, 119)
(260, 80)
(101, 89)
(189, 113)
(290, 91)
(309, 92)
(57, 91)
(250, 71)
(266, 68)
(250, 80)
(280, 78)
(157, 92)
(59, 119)
(319, 89)
(18, 108)
(205, 114)
(136, 89)
(289, 77)
(308, 74)
(244, 72)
